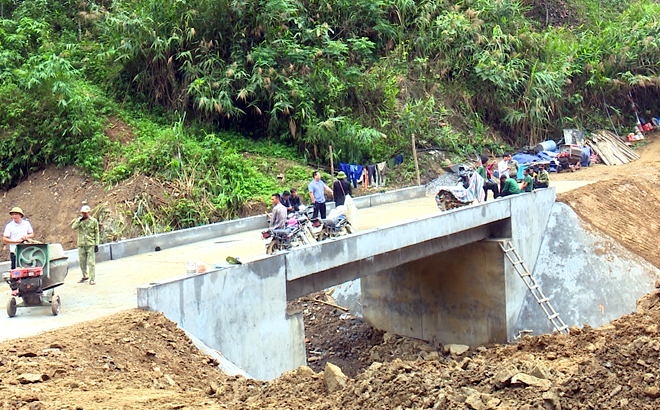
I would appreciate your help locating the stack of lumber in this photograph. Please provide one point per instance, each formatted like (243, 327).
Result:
(610, 149)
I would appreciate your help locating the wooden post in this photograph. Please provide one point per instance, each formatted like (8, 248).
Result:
(414, 148)
(332, 167)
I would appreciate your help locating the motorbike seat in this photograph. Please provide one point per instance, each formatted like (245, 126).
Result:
(281, 232)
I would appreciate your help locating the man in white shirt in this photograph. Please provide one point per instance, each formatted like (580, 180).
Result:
(16, 231)
(503, 166)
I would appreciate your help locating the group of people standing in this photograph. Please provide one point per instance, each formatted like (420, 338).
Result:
(289, 201)
(19, 230)
(534, 177)
(317, 189)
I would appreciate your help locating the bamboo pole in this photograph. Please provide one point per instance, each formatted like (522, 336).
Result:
(414, 150)
(330, 304)
(332, 167)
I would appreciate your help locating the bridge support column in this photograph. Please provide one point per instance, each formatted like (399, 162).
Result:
(456, 296)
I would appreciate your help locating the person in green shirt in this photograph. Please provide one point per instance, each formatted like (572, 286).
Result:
(88, 243)
(489, 184)
(528, 181)
(542, 179)
(509, 186)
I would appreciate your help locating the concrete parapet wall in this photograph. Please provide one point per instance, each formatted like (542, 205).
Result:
(588, 276)
(240, 311)
(325, 256)
(144, 244)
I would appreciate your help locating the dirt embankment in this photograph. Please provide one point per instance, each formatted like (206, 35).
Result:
(625, 208)
(140, 360)
(52, 198)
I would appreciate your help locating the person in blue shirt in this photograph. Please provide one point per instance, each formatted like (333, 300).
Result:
(317, 189)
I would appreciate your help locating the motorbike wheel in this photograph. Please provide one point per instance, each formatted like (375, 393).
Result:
(11, 307)
(272, 248)
(55, 305)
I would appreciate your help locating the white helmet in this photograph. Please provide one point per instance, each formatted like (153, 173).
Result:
(85, 209)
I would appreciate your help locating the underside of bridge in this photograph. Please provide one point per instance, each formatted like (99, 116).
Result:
(455, 296)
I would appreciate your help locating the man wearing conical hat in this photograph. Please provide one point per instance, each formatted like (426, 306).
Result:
(16, 231)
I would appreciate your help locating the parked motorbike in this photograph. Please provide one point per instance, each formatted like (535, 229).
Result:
(296, 233)
(334, 226)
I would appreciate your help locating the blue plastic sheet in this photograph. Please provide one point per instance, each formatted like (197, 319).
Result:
(585, 158)
(544, 156)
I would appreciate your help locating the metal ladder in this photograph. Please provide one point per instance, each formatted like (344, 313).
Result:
(534, 287)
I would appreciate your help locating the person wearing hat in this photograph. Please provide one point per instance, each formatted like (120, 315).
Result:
(88, 243)
(16, 231)
(341, 188)
(542, 179)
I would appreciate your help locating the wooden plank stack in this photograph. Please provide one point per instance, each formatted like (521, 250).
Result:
(610, 149)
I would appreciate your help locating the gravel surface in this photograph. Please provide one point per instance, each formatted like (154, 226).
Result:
(446, 179)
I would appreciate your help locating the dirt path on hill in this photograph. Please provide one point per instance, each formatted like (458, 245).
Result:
(647, 166)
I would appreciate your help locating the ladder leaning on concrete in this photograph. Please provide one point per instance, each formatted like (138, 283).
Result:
(534, 287)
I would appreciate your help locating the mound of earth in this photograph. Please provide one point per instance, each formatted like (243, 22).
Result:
(52, 198)
(141, 360)
(623, 208)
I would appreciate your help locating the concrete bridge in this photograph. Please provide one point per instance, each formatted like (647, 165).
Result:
(430, 275)
(441, 277)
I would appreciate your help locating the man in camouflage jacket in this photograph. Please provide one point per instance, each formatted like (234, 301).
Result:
(88, 243)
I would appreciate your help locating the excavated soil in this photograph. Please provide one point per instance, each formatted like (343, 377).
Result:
(624, 208)
(141, 360)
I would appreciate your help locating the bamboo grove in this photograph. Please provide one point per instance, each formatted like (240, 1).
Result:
(360, 75)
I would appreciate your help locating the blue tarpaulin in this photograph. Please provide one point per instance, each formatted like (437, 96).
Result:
(585, 159)
(544, 156)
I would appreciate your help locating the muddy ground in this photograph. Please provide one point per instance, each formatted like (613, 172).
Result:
(141, 360)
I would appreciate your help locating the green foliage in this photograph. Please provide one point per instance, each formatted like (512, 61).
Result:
(222, 95)
(47, 108)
